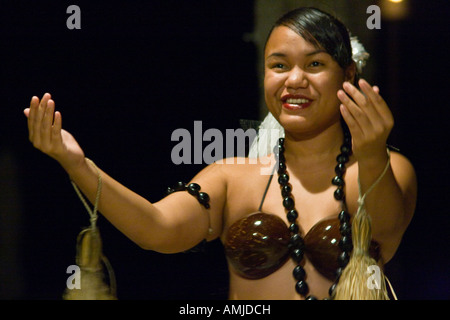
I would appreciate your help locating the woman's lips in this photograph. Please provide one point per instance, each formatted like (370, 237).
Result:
(297, 102)
(296, 106)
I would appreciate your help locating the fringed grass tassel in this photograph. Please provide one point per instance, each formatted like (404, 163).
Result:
(92, 263)
(90, 259)
(356, 281)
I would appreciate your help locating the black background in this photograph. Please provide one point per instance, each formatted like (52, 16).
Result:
(138, 70)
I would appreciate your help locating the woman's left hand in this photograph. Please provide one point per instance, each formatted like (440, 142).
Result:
(368, 117)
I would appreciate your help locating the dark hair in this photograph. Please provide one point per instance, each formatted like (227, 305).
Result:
(320, 29)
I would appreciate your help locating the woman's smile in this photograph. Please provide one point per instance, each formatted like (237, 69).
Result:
(295, 102)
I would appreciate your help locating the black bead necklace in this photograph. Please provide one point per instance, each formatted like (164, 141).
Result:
(296, 243)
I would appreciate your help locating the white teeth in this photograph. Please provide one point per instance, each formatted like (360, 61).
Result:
(297, 101)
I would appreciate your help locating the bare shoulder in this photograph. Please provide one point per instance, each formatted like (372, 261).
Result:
(403, 171)
(242, 166)
(222, 175)
(400, 160)
(228, 170)
(228, 183)
(406, 178)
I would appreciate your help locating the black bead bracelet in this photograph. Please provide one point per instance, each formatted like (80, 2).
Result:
(203, 198)
(194, 190)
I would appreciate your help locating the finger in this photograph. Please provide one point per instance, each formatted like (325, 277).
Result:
(363, 101)
(56, 129)
(47, 121)
(376, 89)
(37, 121)
(34, 104)
(377, 101)
(359, 117)
(356, 95)
(40, 111)
(43, 105)
(352, 124)
(370, 91)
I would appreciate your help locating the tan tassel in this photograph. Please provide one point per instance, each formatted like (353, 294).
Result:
(356, 281)
(92, 264)
(90, 259)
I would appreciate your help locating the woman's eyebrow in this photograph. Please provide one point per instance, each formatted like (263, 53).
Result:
(315, 52)
(276, 54)
(280, 54)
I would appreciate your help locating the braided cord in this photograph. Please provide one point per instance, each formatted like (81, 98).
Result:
(362, 198)
(92, 212)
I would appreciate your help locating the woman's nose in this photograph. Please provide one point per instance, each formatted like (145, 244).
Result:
(296, 79)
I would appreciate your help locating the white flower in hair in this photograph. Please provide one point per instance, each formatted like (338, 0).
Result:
(359, 53)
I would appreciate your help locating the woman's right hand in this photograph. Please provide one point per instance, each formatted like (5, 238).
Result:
(46, 133)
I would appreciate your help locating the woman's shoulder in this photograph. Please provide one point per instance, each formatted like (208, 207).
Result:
(234, 170)
(402, 165)
(234, 167)
(405, 174)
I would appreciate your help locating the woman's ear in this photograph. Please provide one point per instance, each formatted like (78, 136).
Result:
(350, 72)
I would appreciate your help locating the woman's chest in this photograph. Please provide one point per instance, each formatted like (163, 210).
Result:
(313, 197)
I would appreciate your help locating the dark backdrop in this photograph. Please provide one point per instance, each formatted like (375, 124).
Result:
(138, 70)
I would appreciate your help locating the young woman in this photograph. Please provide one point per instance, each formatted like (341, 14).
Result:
(279, 234)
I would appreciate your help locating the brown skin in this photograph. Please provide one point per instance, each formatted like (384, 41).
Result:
(313, 138)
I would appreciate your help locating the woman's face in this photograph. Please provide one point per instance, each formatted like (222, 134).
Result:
(301, 83)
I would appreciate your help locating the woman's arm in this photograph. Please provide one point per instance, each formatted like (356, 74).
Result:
(391, 202)
(176, 223)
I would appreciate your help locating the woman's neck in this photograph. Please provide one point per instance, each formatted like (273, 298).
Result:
(314, 149)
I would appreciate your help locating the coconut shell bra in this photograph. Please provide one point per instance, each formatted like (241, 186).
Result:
(257, 245)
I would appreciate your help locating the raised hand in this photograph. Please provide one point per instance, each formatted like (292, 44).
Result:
(368, 117)
(46, 133)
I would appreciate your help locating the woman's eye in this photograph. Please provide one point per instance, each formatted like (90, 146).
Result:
(315, 64)
(278, 66)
